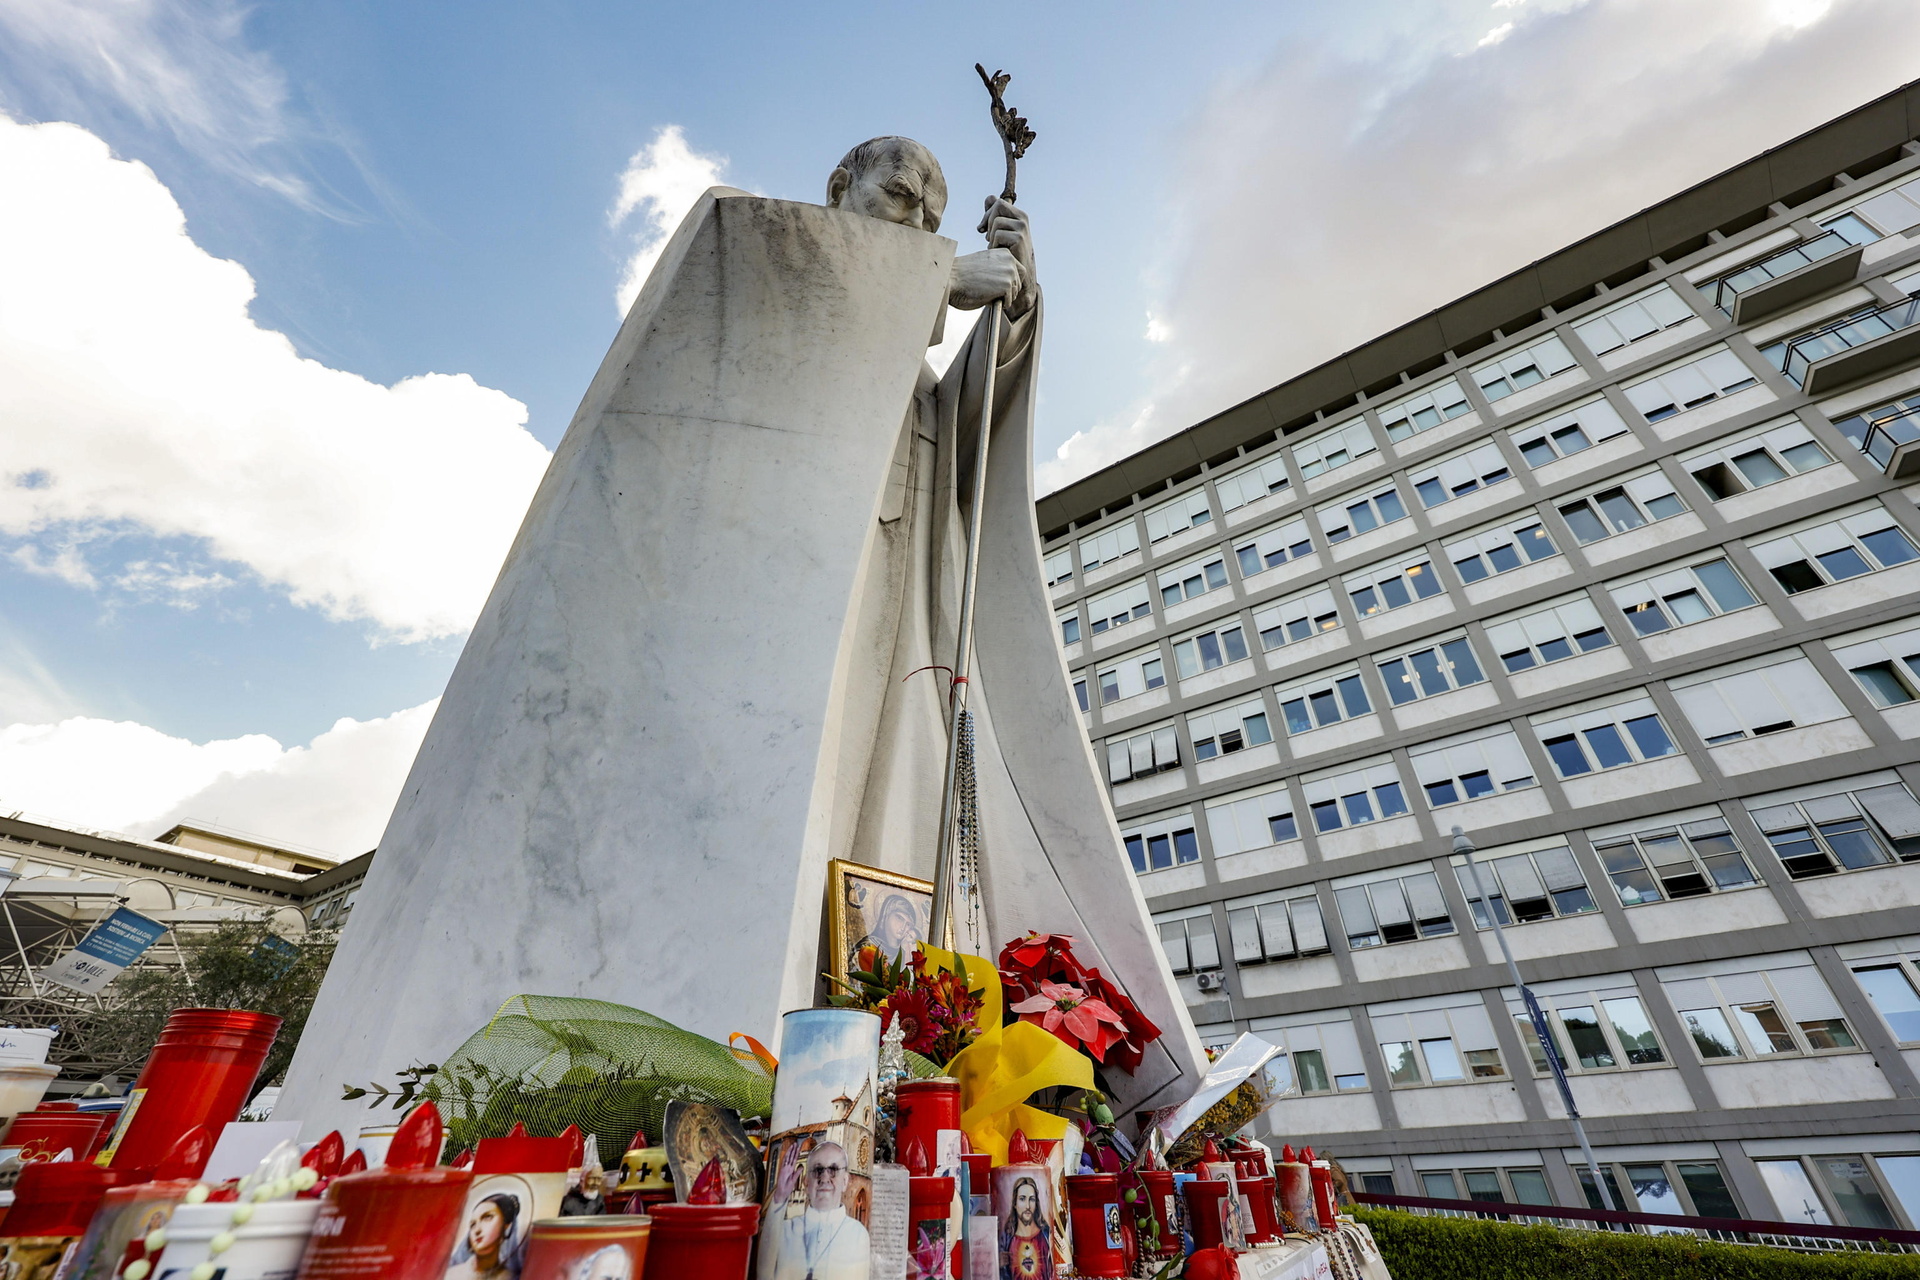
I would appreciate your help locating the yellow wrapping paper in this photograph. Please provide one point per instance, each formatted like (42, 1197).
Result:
(1005, 1066)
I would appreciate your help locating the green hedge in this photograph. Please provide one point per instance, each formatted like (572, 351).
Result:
(1420, 1248)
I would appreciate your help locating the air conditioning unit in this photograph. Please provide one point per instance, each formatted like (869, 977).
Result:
(1214, 981)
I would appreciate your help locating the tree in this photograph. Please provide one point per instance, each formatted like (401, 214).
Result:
(238, 964)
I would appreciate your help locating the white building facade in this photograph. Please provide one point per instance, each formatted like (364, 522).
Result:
(1616, 565)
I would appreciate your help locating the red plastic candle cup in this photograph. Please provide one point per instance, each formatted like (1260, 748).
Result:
(1250, 1163)
(1265, 1210)
(1158, 1184)
(930, 1225)
(42, 1135)
(700, 1241)
(927, 1109)
(1100, 1226)
(1208, 1204)
(1323, 1206)
(393, 1224)
(521, 1154)
(57, 1199)
(200, 1073)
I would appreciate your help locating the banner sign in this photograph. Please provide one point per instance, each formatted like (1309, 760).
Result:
(107, 950)
(1559, 1068)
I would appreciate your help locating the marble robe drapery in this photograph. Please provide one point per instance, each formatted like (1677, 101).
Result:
(1050, 852)
(665, 720)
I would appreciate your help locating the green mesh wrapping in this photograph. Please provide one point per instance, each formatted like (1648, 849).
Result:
(552, 1061)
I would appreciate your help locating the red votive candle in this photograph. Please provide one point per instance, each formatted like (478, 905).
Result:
(1265, 1210)
(929, 1114)
(930, 1227)
(1209, 1201)
(700, 1241)
(397, 1222)
(42, 1134)
(1102, 1232)
(1323, 1205)
(200, 1072)
(59, 1199)
(1157, 1186)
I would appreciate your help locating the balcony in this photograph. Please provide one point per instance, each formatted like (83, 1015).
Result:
(1860, 346)
(1788, 278)
(1894, 444)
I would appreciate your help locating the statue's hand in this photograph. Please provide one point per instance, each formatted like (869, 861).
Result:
(1003, 272)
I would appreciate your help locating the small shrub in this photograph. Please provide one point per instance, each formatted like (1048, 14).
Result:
(1421, 1248)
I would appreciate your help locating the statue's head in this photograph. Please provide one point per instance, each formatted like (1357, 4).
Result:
(892, 179)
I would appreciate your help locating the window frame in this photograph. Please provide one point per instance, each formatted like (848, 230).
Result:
(1445, 655)
(1684, 832)
(1624, 735)
(1415, 575)
(1486, 467)
(1609, 507)
(1229, 637)
(1546, 357)
(1545, 874)
(1575, 635)
(1682, 311)
(1549, 433)
(1316, 622)
(1375, 508)
(1524, 536)
(1443, 404)
(1598, 1000)
(1661, 600)
(1246, 738)
(1342, 691)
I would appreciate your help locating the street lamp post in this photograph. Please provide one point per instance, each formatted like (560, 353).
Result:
(1464, 847)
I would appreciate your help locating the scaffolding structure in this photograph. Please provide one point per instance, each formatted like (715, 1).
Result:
(43, 919)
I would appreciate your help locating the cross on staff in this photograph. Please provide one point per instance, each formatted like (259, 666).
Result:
(1015, 137)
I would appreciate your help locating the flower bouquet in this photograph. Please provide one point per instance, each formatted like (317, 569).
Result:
(1046, 984)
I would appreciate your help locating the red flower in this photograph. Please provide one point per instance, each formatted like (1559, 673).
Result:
(1070, 1013)
(919, 1023)
(1027, 962)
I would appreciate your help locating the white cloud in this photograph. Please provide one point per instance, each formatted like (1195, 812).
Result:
(1496, 35)
(1352, 185)
(659, 185)
(332, 795)
(182, 66)
(140, 397)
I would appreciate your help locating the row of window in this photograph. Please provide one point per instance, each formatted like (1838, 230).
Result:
(1864, 539)
(1667, 599)
(1747, 1009)
(1694, 381)
(1852, 825)
(1750, 699)
(1862, 1189)
(1434, 484)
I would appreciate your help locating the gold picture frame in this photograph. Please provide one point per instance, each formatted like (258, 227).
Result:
(864, 901)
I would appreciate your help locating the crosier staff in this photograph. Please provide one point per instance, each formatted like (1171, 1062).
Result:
(1015, 138)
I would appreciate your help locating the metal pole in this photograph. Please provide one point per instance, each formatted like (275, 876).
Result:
(937, 919)
(1464, 846)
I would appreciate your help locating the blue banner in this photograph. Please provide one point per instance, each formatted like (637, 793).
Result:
(107, 950)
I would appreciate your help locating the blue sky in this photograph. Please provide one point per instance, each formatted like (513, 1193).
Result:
(241, 537)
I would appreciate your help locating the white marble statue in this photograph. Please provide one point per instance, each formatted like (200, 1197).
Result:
(707, 667)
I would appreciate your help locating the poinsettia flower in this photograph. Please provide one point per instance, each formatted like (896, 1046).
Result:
(1086, 1020)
